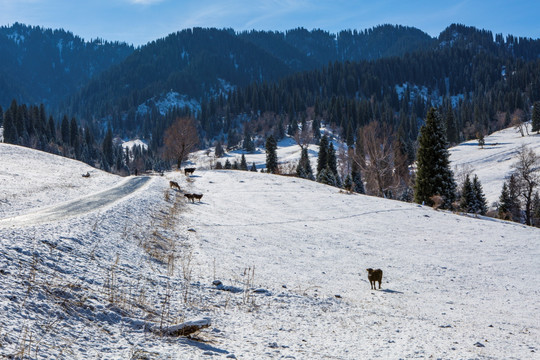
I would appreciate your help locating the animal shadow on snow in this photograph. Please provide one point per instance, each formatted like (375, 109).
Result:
(390, 291)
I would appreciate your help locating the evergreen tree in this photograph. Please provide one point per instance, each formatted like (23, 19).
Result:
(10, 131)
(536, 210)
(107, 148)
(228, 164)
(348, 183)
(253, 168)
(504, 203)
(304, 169)
(326, 176)
(219, 149)
(332, 164)
(316, 130)
(243, 163)
(66, 136)
(52, 129)
(451, 127)
(74, 138)
(271, 155)
(357, 179)
(467, 196)
(480, 205)
(322, 159)
(536, 117)
(248, 144)
(514, 204)
(434, 176)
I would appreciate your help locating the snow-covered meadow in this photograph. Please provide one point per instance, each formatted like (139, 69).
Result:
(290, 255)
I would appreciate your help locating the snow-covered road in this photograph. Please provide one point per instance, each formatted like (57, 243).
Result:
(79, 206)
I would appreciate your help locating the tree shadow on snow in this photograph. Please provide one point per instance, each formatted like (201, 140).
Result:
(205, 347)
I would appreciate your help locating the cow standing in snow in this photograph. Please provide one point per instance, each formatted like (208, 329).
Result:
(373, 276)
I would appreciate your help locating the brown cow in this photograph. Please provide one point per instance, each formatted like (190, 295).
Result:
(373, 276)
(190, 197)
(174, 184)
(197, 196)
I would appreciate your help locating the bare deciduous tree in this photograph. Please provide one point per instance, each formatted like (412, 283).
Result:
(376, 159)
(304, 136)
(180, 139)
(527, 172)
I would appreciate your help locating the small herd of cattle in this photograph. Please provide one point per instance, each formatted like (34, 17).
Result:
(192, 197)
(374, 276)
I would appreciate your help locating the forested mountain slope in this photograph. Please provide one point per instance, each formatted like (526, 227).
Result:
(44, 66)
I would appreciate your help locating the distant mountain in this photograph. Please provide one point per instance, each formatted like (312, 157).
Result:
(41, 65)
(200, 62)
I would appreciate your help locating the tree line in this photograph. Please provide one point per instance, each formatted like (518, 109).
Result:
(32, 127)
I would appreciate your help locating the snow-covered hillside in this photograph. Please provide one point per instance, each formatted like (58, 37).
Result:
(493, 163)
(291, 258)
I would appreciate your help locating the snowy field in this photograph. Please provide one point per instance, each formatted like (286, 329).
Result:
(290, 255)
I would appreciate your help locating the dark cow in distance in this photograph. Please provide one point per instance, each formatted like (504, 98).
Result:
(192, 197)
(189, 171)
(373, 276)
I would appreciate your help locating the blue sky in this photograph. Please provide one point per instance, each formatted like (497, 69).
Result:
(140, 21)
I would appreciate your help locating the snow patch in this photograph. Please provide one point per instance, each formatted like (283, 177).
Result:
(167, 102)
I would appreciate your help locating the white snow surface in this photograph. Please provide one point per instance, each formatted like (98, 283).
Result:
(167, 102)
(290, 255)
(130, 144)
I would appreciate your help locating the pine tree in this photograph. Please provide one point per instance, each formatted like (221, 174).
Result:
(322, 159)
(248, 144)
(253, 168)
(434, 176)
(536, 117)
(480, 205)
(326, 176)
(316, 129)
(64, 131)
(536, 210)
(332, 163)
(228, 164)
(514, 204)
(504, 203)
(304, 169)
(467, 196)
(348, 183)
(271, 155)
(219, 149)
(357, 179)
(106, 147)
(243, 163)
(10, 131)
(52, 129)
